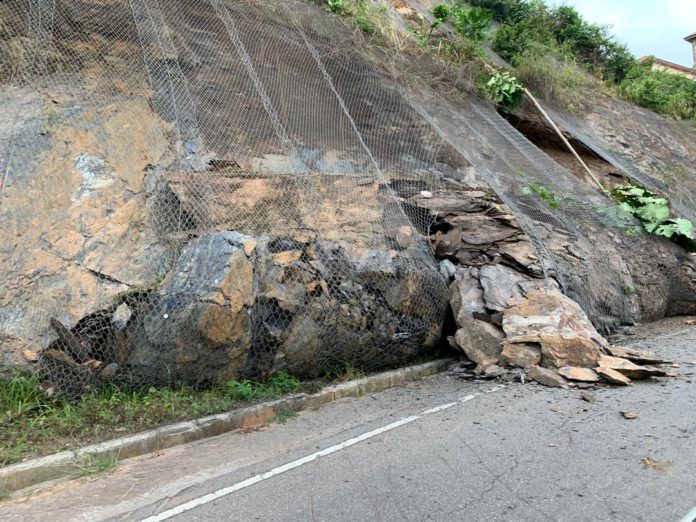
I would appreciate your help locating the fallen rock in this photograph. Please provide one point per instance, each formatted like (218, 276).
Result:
(559, 352)
(548, 312)
(480, 342)
(588, 397)
(635, 356)
(613, 377)
(578, 374)
(521, 355)
(466, 299)
(629, 415)
(500, 284)
(630, 369)
(546, 377)
(559, 325)
(494, 371)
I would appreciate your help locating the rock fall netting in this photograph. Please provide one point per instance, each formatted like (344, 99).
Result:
(196, 191)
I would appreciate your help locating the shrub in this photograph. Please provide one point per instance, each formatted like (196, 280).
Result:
(669, 94)
(654, 213)
(472, 23)
(505, 91)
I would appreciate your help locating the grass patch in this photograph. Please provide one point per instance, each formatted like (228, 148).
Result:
(92, 465)
(32, 423)
(283, 416)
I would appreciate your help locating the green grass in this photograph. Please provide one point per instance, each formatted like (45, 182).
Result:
(32, 423)
(282, 416)
(91, 465)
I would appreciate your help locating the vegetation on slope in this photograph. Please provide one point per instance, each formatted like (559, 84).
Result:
(554, 46)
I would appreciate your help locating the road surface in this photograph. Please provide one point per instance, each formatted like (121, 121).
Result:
(439, 449)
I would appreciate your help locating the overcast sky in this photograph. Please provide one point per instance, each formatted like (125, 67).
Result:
(655, 27)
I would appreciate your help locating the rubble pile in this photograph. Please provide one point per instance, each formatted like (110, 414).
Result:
(510, 320)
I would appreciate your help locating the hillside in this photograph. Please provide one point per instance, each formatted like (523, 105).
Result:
(199, 192)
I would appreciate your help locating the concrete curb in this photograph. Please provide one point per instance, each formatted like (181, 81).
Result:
(32, 473)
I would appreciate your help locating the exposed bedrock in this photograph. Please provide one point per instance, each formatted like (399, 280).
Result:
(235, 306)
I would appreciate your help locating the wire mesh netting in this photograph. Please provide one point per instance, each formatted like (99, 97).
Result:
(213, 194)
(196, 191)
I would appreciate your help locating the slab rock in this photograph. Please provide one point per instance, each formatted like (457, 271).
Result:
(546, 377)
(500, 285)
(559, 325)
(480, 342)
(521, 355)
(613, 377)
(630, 369)
(578, 374)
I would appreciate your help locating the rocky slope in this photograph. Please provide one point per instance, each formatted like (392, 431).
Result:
(200, 193)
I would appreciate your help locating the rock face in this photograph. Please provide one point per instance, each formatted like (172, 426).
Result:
(235, 306)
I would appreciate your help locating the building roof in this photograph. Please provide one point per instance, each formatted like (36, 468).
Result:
(665, 63)
(691, 37)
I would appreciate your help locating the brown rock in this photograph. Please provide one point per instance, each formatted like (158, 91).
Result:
(559, 351)
(30, 356)
(548, 312)
(287, 257)
(578, 374)
(546, 377)
(480, 342)
(613, 377)
(630, 369)
(522, 355)
(635, 356)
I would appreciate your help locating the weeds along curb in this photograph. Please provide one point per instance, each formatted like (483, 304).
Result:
(32, 473)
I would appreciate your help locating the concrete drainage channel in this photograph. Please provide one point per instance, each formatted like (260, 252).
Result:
(28, 476)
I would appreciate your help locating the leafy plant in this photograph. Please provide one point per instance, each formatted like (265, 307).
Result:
(441, 13)
(335, 6)
(545, 194)
(472, 23)
(505, 91)
(654, 213)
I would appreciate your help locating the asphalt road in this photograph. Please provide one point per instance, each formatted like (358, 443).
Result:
(439, 449)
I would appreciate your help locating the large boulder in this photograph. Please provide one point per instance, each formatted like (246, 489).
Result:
(234, 306)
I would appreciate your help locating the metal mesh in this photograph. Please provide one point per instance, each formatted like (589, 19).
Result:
(214, 187)
(197, 191)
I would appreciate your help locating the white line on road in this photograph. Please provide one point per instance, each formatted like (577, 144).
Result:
(690, 516)
(210, 497)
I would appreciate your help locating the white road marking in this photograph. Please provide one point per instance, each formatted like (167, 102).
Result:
(210, 497)
(690, 516)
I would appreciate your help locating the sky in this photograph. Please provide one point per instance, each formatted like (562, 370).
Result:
(656, 27)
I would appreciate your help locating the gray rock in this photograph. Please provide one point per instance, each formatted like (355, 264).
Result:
(447, 268)
(466, 299)
(546, 377)
(480, 342)
(500, 284)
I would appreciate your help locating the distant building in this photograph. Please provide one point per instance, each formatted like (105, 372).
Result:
(674, 68)
(692, 40)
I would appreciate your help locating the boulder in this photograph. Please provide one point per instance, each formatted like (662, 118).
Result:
(521, 355)
(500, 285)
(559, 325)
(197, 328)
(480, 342)
(578, 374)
(466, 300)
(546, 377)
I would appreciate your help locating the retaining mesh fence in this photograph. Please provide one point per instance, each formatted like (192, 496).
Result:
(198, 191)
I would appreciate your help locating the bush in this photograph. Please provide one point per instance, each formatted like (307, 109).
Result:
(472, 23)
(505, 91)
(668, 94)
(533, 23)
(557, 78)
